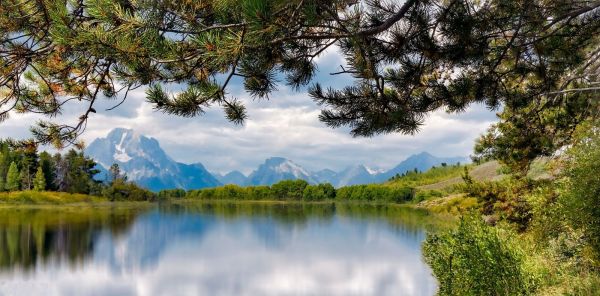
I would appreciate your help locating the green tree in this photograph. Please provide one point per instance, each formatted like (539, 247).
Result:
(289, 189)
(47, 162)
(12, 178)
(538, 128)
(5, 160)
(28, 161)
(115, 174)
(39, 183)
(407, 58)
(77, 173)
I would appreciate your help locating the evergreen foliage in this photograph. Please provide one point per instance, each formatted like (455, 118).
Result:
(406, 58)
(39, 183)
(48, 166)
(12, 178)
(120, 190)
(114, 173)
(72, 172)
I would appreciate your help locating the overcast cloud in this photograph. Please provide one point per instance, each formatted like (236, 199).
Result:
(286, 125)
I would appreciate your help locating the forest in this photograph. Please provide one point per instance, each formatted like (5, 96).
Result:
(298, 190)
(24, 169)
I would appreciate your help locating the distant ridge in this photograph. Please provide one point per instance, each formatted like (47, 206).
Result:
(275, 169)
(146, 163)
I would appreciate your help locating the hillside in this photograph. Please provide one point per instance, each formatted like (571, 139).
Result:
(488, 171)
(442, 177)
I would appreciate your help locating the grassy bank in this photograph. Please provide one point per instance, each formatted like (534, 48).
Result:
(47, 197)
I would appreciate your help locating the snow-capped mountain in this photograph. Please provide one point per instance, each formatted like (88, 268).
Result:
(143, 161)
(326, 176)
(233, 177)
(357, 174)
(275, 169)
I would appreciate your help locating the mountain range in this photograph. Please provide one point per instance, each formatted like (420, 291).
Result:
(143, 161)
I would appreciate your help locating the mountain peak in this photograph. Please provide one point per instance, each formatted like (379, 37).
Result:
(119, 131)
(274, 161)
(275, 169)
(422, 154)
(233, 177)
(146, 163)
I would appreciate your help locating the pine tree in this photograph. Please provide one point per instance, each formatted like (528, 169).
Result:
(4, 164)
(115, 173)
(47, 162)
(12, 178)
(2, 173)
(39, 183)
(405, 58)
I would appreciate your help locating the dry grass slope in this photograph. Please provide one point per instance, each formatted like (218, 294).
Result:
(488, 171)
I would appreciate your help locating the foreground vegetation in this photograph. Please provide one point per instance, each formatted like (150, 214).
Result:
(522, 235)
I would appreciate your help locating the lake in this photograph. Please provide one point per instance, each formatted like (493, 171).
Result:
(214, 248)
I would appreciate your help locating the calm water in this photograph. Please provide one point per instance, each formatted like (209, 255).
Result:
(213, 249)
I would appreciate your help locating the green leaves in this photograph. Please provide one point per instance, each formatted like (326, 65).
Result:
(476, 259)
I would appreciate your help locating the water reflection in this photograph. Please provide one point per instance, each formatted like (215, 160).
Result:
(214, 249)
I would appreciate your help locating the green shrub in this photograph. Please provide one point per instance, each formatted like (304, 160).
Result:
(126, 191)
(476, 259)
(289, 189)
(375, 192)
(505, 199)
(172, 193)
(258, 193)
(581, 198)
(318, 192)
(427, 194)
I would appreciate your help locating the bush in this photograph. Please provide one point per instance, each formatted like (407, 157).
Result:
(318, 192)
(376, 193)
(171, 193)
(126, 191)
(475, 259)
(289, 189)
(301, 190)
(581, 198)
(258, 193)
(504, 200)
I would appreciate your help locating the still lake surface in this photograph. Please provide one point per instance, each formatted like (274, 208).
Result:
(214, 249)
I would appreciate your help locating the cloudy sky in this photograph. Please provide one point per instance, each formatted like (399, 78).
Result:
(286, 125)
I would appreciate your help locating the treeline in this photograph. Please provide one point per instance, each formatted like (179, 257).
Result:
(23, 168)
(298, 190)
(26, 169)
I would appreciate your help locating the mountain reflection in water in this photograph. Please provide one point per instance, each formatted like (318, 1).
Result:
(214, 249)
